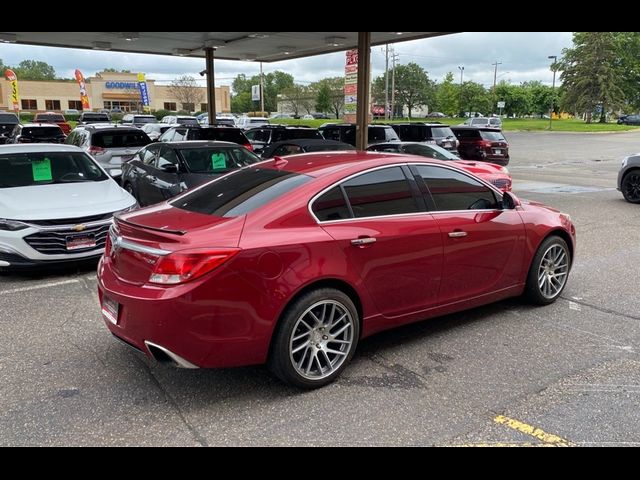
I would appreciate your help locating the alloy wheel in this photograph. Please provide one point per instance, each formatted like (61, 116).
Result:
(553, 271)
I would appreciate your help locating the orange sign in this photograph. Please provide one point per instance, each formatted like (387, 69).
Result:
(84, 98)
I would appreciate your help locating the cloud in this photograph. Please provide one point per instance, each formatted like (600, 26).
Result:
(523, 56)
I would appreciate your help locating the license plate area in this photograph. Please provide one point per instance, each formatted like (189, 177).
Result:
(79, 242)
(110, 309)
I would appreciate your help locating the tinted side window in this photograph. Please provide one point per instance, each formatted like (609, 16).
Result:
(179, 135)
(148, 156)
(381, 192)
(167, 157)
(452, 190)
(331, 134)
(331, 206)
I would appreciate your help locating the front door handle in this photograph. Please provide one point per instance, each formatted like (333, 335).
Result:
(361, 242)
(457, 234)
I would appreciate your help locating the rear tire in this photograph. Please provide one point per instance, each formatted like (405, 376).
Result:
(315, 339)
(548, 272)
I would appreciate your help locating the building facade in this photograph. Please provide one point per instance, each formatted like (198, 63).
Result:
(106, 90)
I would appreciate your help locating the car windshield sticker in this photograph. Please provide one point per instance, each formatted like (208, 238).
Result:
(41, 170)
(218, 160)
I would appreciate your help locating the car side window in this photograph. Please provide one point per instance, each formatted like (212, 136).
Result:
(167, 157)
(331, 206)
(283, 150)
(148, 155)
(179, 134)
(381, 192)
(331, 134)
(451, 190)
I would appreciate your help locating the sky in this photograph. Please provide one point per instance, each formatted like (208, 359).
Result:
(522, 56)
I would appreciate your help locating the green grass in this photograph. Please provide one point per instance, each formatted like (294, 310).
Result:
(508, 124)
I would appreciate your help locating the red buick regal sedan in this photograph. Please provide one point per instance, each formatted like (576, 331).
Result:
(292, 261)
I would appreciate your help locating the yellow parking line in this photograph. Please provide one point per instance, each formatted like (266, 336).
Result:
(548, 438)
(504, 444)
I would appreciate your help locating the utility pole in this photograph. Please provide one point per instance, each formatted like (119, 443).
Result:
(386, 83)
(394, 56)
(495, 76)
(553, 85)
(461, 68)
(261, 91)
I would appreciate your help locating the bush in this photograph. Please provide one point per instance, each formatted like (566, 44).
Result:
(71, 118)
(161, 113)
(26, 117)
(257, 114)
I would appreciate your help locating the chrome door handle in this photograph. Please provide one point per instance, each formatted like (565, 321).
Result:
(457, 234)
(358, 242)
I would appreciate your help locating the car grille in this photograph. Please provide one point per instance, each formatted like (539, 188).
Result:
(71, 221)
(501, 182)
(54, 242)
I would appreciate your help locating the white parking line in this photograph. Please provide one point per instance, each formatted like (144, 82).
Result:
(38, 287)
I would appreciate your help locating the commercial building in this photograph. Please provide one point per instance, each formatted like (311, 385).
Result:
(107, 90)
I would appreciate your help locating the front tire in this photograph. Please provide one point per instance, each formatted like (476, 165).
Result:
(630, 186)
(549, 271)
(315, 339)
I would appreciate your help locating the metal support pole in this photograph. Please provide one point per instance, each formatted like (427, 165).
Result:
(211, 86)
(386, 82)
(261, 90)
(553, 86)
(364, 85)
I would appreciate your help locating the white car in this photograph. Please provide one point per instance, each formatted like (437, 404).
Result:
(56, 205)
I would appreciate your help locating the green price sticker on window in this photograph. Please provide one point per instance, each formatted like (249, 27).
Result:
(41, 170)
(219, 161)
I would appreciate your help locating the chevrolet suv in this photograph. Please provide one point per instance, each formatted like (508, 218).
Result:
(482, 143)
(437, 133)
(346, 132)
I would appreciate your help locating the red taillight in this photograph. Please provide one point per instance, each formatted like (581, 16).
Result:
(95, 150)
(485, 143)
(186, 265)
(24, 140)
(248, 146)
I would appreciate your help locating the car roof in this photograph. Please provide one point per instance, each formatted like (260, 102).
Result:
(198, 143)
(422, 124)
(308, 142)
(38, 148)
(40, 124)
(471, 127)
(322, 163)
(109, 126)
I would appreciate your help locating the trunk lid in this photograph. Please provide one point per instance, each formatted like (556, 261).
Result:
(140, 238)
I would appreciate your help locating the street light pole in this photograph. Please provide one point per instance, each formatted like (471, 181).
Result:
(553, 86)
(461, 68)
(495, 77)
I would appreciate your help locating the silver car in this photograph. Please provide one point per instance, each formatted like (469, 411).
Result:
(629, 178)
(110, 145)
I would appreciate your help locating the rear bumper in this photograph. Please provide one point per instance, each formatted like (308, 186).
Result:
(196, 324)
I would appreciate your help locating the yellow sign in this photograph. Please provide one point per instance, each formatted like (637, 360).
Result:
(15, 96)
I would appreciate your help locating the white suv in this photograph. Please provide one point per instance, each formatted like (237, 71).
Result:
(179, 120)
(56, 204)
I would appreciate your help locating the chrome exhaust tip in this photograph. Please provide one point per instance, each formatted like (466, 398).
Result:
(163, 355)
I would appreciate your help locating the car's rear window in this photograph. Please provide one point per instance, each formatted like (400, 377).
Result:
(220, 134)
(43, 168)
(470, 133)
(95, 117)
(149, 119)
(41, 132)
(492, 136)
(295, 134)
(413, 133)
(240, 192)
(439, 132)
(187, 121)
(8, 118)
(120, 139)
(495, 121)
(377, 134)
(44, 117)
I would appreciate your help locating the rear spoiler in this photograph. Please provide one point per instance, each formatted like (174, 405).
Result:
(164, 230)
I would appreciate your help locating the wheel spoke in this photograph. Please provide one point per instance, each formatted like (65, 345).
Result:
(302, 335)
(344, 327)
(334, 323)
(326, 357)
(300, 347)
(335, 352)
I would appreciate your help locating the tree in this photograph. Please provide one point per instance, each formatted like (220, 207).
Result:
(474, 98)
(448, 96)
(274, 83)
(34, 70)
(185, 89)
(413, 87)
(541, 97)
(592, 74)
(323, 97)
(336, 94)
(241, 103)
(295, 97)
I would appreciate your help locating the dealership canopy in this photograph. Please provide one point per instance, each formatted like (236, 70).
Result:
(248, 46)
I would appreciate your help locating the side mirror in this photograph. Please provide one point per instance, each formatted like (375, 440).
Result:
(171, 168)
(509, 201)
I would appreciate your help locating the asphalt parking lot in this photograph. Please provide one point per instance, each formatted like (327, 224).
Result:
(504, 374)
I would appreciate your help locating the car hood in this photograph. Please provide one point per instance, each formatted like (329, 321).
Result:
(58, 201)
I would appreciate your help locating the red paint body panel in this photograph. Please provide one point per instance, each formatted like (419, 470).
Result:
(413, 271)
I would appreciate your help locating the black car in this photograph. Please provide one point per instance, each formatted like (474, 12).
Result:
(160, 171)
(292, 147)
(8, 122)
(213, 133)
(439, 133)
(262, 137)
(346, 132)
(37, 133)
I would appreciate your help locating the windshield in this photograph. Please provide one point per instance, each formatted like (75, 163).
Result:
(120, 139)
(222, 134)
(42, 168)
(240, 192)
(431, 151)
(8, 118)
(217, 159)
(47, 117)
